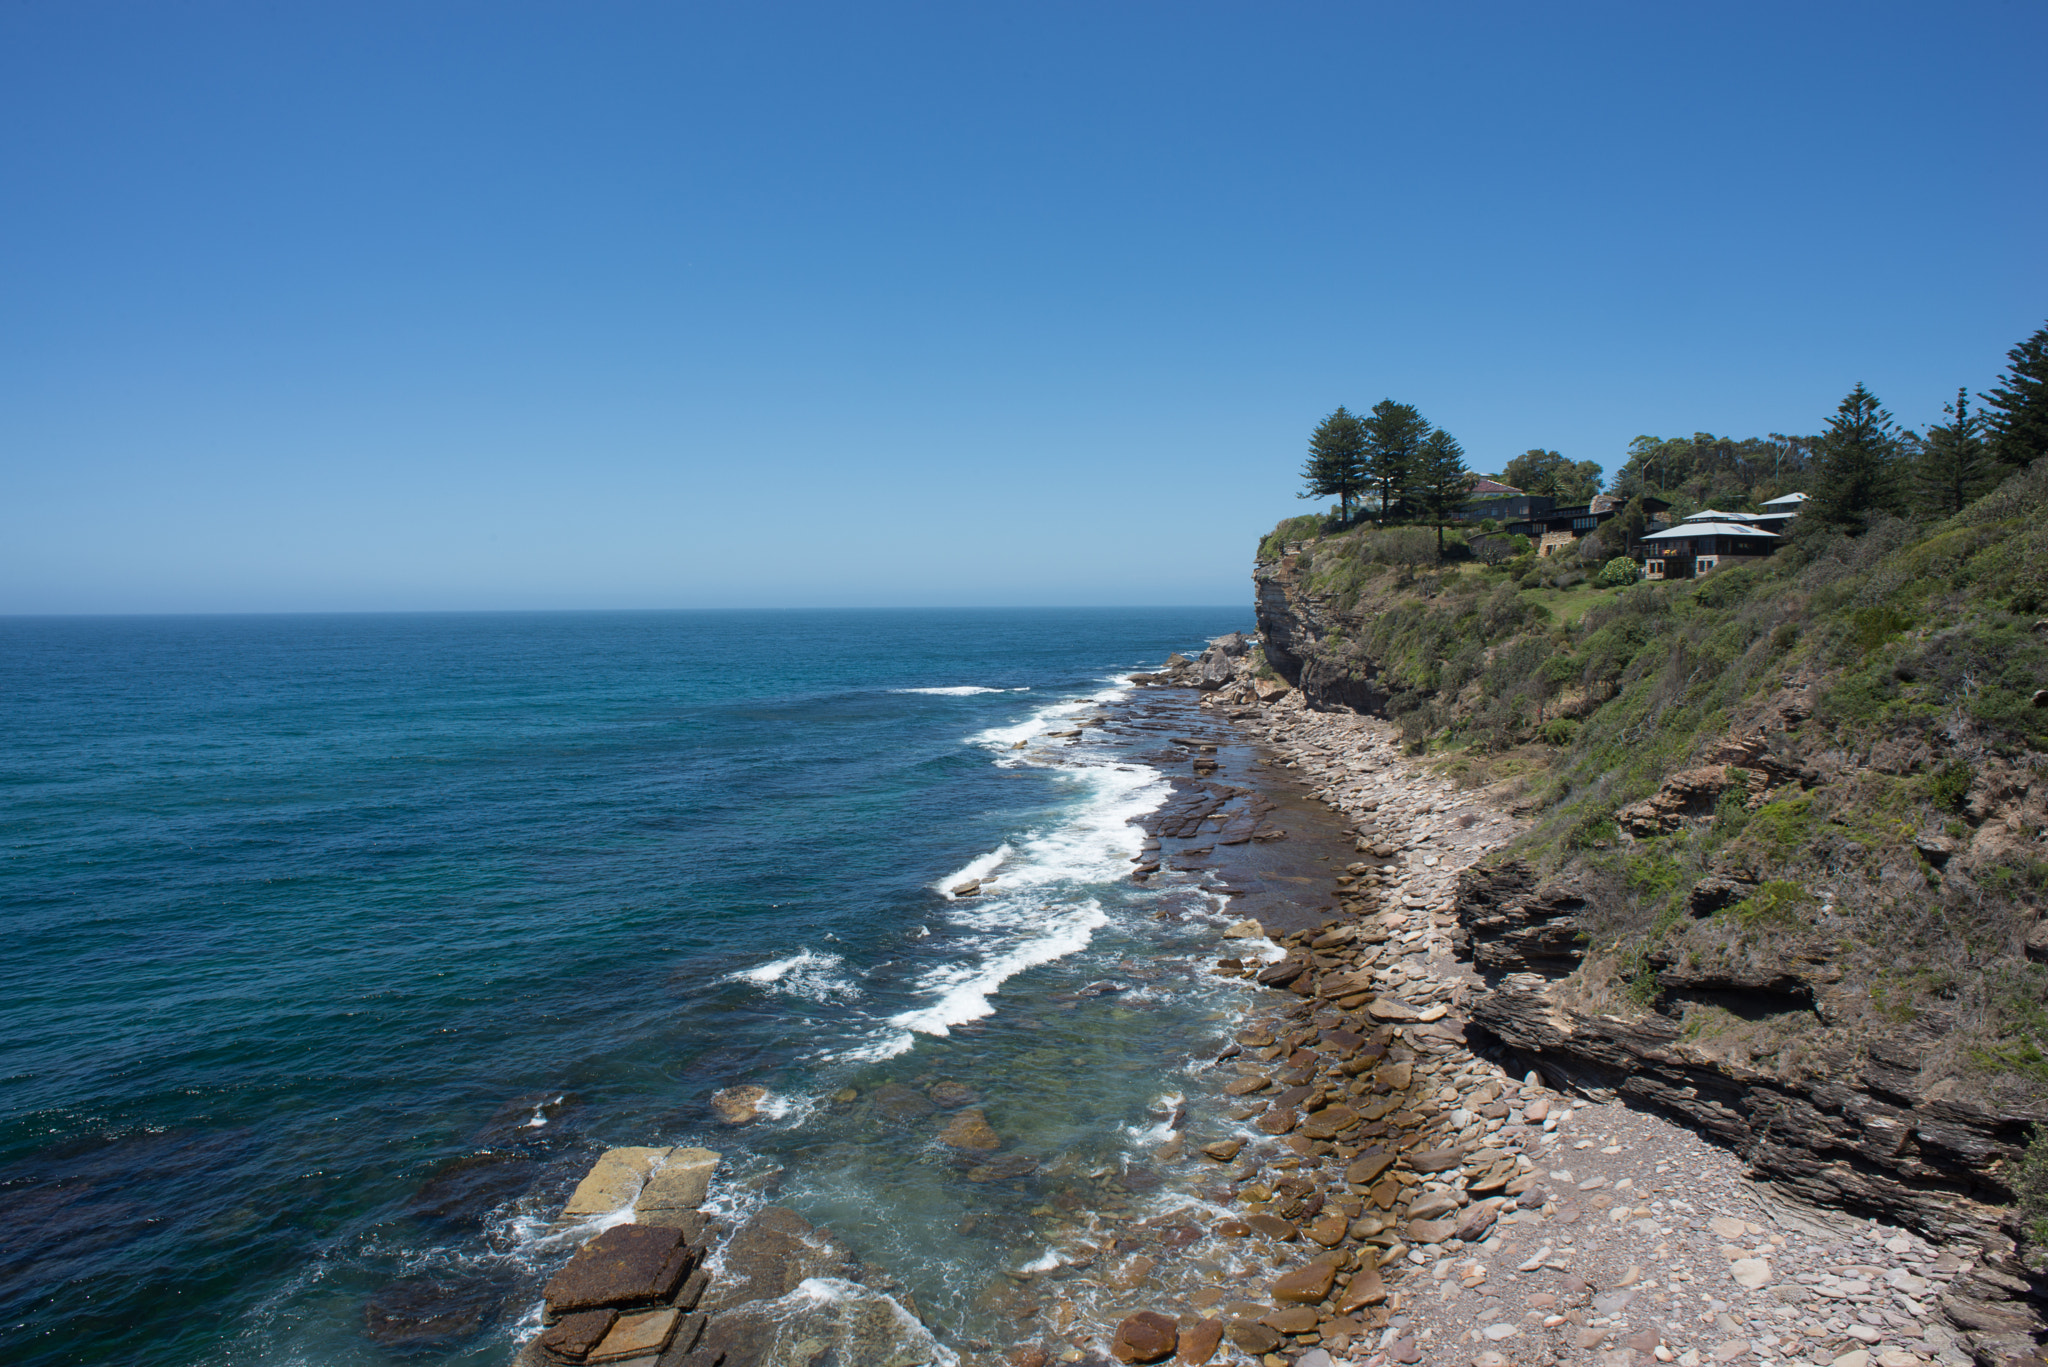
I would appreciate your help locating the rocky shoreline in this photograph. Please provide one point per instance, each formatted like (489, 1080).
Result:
(1808, 1284)
(1367, 1174)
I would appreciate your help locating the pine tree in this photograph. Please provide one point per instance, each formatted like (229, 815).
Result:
(2017, 425)
(1336, 460)
(1953, 466)
(1440, 483)
(1858, 465)
(1393, 443)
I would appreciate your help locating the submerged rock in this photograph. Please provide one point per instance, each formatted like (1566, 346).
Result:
(430, 1312)
(739, 1105)
(970, 1130)
(464, 1192)
(821, 1320)
(898, 1102)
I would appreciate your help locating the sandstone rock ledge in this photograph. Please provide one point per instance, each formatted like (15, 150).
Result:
(642, 1293)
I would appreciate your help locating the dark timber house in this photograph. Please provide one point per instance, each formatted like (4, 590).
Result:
(1555, 528)
(1708, 540)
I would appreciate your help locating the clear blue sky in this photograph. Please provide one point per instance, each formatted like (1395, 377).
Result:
(507, 305)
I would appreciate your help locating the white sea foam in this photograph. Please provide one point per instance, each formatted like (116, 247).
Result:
(1044, 1262)
(958, 690)
(1161, 1129)
(974, 870)
(1047, 718)
(1039, 911)
(813, 977)
(961, 991)
(1041, 906)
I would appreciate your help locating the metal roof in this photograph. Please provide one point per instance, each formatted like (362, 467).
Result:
(1709, 529)
(1711, 515)
(1788, 499)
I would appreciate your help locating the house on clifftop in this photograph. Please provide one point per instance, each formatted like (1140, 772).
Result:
(1553, 529)
(1708, 540)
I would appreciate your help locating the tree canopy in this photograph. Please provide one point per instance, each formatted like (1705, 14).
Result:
(1548, 472)
(1704, 470)
(1393, 444)
(1336, 460)
(1857, 472)
(1440, 483)
(2017, 417)
(1953, 467)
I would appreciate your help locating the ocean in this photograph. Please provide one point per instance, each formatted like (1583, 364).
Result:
(338, 946)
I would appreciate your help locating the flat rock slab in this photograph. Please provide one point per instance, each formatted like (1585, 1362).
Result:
(573, 1336)
(627, 1265)
(637, 1336)
(613, 1181)
(680, 1182)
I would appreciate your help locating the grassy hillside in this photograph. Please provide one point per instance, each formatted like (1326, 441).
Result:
(1882, 831)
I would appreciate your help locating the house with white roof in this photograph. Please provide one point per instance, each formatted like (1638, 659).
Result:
(1711, 539)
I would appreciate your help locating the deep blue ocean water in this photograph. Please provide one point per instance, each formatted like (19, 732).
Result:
(305, 915)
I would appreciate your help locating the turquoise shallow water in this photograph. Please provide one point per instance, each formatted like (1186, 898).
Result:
(309, 919)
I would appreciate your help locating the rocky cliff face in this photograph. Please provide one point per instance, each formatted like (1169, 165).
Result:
(1762, 1030)
(1300, 631)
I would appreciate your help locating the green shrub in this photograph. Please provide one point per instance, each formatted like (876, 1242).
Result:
(1592, 830)
(1561, 731)
(1777, 902)
(1304, 528)
(1870, 628)
(1619, 573)
(1948, 787)
(1784, 825)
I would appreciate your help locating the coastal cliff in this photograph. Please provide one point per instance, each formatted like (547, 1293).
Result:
(1783, 868)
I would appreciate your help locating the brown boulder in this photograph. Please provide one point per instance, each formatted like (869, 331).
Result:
(1199, 1343)
(1278, 1121)
(1367, 1169)
(1293, 1319)
(953, 1094)
(1147, 1336)
(739, 1105)
(1253, 1337)
(1305, 1285)
(1330, 1230)
(1272, 1226)
(1436, 1160)
(1367, 1288)
(1475, 1224)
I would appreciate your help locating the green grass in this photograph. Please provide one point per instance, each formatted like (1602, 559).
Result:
(1567, 606)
